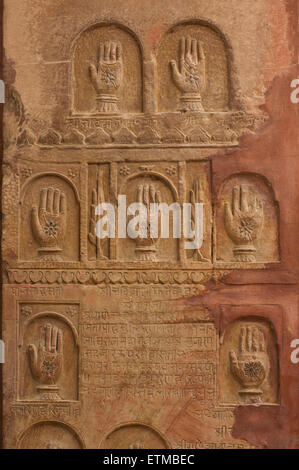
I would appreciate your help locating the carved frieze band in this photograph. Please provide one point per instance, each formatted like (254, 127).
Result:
(38, 276)
(57, 218)
(202, 130)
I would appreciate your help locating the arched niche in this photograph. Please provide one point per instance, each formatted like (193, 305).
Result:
(63, 224)
(86, 52)
(134, 435)
(217, 93)
(50, 435)
(252, 233)
(32, 385)
(249, 362)
(165, 249)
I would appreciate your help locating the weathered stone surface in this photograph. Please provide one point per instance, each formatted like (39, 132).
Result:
(140, 343)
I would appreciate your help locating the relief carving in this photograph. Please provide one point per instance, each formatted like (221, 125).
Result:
(243, 221)
(96, 198)
(147, 183)
(92, 277)
(197, 195)
(198, 191)
(148, 136)
(249, 367)
(106, 77)
(99, 137)
(197, 129)
(73, 137)
(189, 74)
(106, 61)
(49, 216)
(46, 361)
(247, 221)
(134, 436)
(26, 137)
(50, 435)
(249, 362)
(124, 136)
(48, 352)
(110, 330)
(201, 79)
(50, 137)
(146, 245)
(49, 222)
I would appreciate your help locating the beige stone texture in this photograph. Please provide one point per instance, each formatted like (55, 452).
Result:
(141, 343)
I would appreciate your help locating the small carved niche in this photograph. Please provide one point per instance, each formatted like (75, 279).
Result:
(107, 71)
(247, 221)
(50, 435)
(98, 189)
(199, 191)
(249, 362)
(48, 354)
(148, 186)
(134, 436)
(192, 61)
(49, 219)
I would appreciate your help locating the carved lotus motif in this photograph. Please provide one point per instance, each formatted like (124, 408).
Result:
(83, 276)
(131, 277)
(98, 277)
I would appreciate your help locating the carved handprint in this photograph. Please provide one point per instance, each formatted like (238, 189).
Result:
(249, 368)
(243, 221)
(97, 197)
(197, 195)
(49, 220)
(46, 361)
(147, 194)
(107, 75)
(189, 75)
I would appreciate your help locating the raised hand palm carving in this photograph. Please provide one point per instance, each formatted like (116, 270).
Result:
(189, 75)
(243, 219)
(249, 367)
(49, 220)
(46, 362)
(147, 195)
(106, 77)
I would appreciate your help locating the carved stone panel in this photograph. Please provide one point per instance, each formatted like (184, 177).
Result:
(48, 351)
(249, 360)
(193, 69)
(247, 221)
(106, 68)
(123, 335)
(49, 219)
